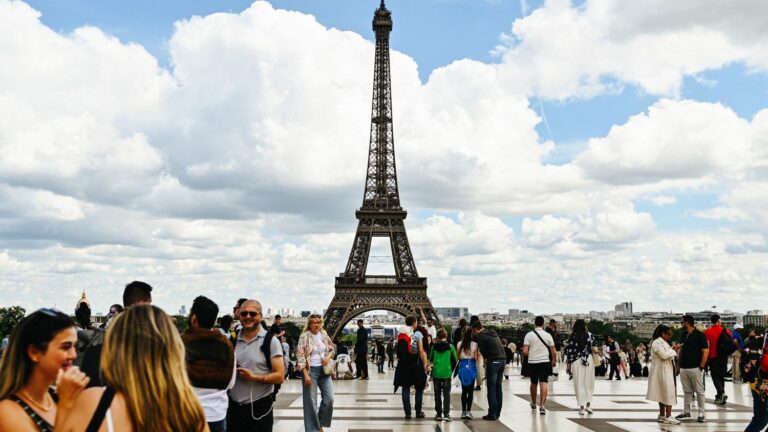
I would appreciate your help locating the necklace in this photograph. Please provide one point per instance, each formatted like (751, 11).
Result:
(35, 403)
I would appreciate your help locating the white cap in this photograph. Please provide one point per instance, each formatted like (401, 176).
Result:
(737, 326)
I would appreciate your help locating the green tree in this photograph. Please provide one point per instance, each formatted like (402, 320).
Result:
(181, 321)
(9, 317)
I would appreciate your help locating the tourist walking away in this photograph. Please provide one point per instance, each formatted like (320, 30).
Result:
(391, 354)
(539, 349)
(661, 382)
(443, 360)
(756, 375)
(210, 362)
(411, 367)
(40, 347)
(260, 367)
(381, 356)
(87, 335)
(693, 354)
(361, 351)
(489, 345)
(721, 346)
(467, 371)
(509, 353)
(314, 354)
(736, 356)
(623, 362)
(579, 350)
(141, 349)
(286, 356)
(135, 293)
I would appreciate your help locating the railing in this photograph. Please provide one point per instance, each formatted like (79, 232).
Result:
(380, 280)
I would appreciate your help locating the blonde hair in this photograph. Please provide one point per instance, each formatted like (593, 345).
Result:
(142, 348)
(314, 318)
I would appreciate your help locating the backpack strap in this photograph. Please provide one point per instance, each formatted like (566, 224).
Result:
(101, 410)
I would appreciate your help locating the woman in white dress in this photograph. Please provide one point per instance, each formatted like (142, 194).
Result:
(580, 362)
(661, 380)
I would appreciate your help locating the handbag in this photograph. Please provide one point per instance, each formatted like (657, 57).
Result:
(455, 381)
(328, 367)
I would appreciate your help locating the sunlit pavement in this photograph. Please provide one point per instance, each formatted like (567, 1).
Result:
(619, 406)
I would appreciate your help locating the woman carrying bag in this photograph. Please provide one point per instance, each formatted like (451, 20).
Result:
(467, 371)
(313, 355)
(579, 352)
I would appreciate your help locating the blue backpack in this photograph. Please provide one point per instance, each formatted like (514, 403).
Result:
(467, 371)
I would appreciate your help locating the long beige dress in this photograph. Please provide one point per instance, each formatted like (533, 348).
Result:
(661, 379)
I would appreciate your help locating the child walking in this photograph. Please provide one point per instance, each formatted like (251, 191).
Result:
(443, 359)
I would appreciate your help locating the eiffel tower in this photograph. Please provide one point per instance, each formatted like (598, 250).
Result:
(381, 215)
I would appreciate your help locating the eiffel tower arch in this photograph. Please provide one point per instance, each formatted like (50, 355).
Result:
(381, 215)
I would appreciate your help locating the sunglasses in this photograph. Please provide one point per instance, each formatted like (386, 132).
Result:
(249, 313)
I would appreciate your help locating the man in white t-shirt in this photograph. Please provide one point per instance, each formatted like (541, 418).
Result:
(539, 348)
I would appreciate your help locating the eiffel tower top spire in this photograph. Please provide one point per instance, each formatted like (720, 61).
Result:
(381, 190)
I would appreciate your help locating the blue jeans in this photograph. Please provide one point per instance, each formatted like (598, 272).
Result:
(407, 399)
(315, 418)
(759, 414)
(494, 375)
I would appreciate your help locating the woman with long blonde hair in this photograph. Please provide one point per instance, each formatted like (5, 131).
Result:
(41, 351)
(147, 388)
(315, 350)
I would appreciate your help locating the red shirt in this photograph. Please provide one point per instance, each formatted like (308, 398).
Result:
(713, 334)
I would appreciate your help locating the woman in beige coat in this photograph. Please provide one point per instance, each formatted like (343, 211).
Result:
(661, 381)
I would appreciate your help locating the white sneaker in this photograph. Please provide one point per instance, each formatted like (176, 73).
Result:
(671, 421)
(660, 418)
(582, 412)
(589, 410)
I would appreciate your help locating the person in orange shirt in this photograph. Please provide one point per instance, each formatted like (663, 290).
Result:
(717, 363)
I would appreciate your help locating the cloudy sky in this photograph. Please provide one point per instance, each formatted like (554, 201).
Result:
(554, 156)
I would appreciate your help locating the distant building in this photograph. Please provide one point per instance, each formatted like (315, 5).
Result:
(623, 309)
(451, 312)
(756, 320)
(519, 314)
(305, 314)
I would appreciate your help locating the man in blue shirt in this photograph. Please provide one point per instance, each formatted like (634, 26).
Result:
(736, 335)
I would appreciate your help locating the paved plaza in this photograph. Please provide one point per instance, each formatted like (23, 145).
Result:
(619, 406)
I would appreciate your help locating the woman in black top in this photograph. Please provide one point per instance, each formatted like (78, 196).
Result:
(41, 348)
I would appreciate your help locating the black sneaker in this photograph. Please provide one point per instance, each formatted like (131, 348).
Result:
(490, 417)
(701, 418)
(438, 418)
(420, 414)
(683, 416)
(447, 418)
(407, 416)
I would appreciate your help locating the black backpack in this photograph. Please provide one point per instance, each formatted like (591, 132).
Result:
(725, 344)
(265, 348)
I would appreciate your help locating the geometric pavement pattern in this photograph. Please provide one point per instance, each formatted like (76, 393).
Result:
(620, 406)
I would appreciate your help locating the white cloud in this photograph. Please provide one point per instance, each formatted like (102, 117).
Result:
(562, 50)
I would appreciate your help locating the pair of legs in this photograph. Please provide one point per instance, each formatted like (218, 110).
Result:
(614, 368)
(665, 410)
(381, 366)
(467, 394)
(717, 367)
(362, 365)
(317, 418)
(407, 399)
(494, 376)
(442, 396)
(759, 414)
(692, 380)
(391, 362)
(623, 368)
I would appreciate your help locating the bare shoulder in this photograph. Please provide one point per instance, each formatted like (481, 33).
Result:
(13, 417)
(82, 410)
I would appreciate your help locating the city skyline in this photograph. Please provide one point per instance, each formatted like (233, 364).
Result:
(551, 159)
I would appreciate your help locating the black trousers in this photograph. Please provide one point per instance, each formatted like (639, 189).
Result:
(718, 367)
(614, 367)
(361, 361)
(242, 418)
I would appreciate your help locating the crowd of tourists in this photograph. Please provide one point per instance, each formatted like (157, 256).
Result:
(136, 372)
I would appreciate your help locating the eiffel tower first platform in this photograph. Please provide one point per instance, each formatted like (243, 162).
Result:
(381, 215)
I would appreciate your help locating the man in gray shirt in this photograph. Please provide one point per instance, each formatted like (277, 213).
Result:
(250, 404)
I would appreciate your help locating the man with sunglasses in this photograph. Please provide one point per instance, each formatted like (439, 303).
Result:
(250, 406)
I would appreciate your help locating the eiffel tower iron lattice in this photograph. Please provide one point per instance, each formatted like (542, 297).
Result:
(381, 215)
